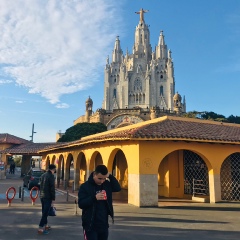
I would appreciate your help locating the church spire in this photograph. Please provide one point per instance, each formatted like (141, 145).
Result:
(142, 47)
(161, 39)
(117, 51)
(161, 49)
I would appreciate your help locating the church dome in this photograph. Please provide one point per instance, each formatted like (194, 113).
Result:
(177, 96)
(89, 100)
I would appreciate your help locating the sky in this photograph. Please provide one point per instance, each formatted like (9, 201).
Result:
(53, 53)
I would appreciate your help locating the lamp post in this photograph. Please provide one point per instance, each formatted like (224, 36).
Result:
(32, 133)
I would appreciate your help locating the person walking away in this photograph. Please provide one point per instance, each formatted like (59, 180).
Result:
(13, 167)
(47, 196)
(95, 200)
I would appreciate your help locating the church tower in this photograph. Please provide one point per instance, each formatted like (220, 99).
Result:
(88, 111)
(144, 78)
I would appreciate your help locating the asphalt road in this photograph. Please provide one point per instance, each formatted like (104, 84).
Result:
(173, 220)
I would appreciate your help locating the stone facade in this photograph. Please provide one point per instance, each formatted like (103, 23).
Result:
(138, 86)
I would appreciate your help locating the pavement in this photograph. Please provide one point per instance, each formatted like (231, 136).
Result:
(174, 219)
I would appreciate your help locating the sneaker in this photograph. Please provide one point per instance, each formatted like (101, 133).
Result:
(48, 228)
(43, 232)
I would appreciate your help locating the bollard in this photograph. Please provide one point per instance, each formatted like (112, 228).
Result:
(72, 187)
(19, 191)
(34, 197)
(65, 184)
(7, 195)
(67, 196)
(75, 207)
(22, 199)
(58, 182)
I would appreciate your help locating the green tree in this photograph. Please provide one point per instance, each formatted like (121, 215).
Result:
(80, 130)
(18, 160)
(192, 114)
(233, 119)
(212, 116)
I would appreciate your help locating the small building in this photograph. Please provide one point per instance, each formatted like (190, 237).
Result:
(12, 145)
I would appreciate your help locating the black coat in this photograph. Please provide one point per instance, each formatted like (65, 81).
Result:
(47, 186)
(87, 199)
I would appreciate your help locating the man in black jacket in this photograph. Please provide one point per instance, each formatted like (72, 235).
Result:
(95, 200)
(47, 196)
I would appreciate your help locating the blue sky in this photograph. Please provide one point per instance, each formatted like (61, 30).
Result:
(52, 56)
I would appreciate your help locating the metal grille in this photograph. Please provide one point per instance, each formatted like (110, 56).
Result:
(230, 178)
(195, 169)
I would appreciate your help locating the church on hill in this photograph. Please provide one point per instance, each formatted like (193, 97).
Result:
(138, 86)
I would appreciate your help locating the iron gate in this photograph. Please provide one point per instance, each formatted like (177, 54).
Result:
(230, 178)
(195, 169)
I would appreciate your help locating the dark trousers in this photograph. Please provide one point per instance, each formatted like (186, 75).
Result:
(99, 234)
(46, 204)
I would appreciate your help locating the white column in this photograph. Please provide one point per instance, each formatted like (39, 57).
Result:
(143, 190)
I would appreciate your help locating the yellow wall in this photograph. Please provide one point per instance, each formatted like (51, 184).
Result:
(163, 159)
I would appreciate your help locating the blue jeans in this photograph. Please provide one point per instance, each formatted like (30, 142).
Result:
(46, 204)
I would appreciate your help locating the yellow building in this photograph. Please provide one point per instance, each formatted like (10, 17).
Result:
(171, 157)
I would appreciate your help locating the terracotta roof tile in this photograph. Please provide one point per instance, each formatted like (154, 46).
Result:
(8, 138)
(27, 148)
(166, 128)
(173, 128)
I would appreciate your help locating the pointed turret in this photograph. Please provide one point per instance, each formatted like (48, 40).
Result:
(142, 47)
(161, 49)
(161, 39)
(117, 51)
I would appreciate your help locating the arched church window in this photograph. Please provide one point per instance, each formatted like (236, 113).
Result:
(114, 93)
(115, 80)
(137, 84)
(161, 76)
(161, 91)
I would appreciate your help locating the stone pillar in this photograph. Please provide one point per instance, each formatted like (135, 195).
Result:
(87, 174)
(76, 179)
(26, 164)
(214, 188)
(143, 190)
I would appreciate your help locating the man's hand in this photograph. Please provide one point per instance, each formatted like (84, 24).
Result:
(100, 196)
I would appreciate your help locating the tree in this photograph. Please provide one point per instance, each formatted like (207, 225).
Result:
(212, 116)
(192, 114)
(80, 130)
(17, 160)
(233, 119)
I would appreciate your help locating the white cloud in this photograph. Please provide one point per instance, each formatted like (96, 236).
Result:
(5, 81)
(62, 105)
(56, 47)
(19, 101)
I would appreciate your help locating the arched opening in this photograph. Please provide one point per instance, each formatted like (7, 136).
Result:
(119, 169)
(60, 169)
(47, 163)
(230, 178)
(81, 170)
(69, 174)
(183, 174)
(96, 160)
